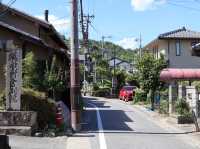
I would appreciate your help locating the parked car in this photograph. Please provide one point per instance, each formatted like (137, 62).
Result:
(127, 93)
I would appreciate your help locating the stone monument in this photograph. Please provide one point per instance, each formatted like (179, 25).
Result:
(13, 120)
(13, 77)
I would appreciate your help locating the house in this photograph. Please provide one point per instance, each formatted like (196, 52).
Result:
(176, 46)
(180, 48)
(121, 64)
(22, 32)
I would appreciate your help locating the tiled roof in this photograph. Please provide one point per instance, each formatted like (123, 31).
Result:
(182, 33)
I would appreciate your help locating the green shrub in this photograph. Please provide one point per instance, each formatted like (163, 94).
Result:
(102, 92)
(95, 87)
(182, 107)
(140, 96)
(164, 107)
(38, 102)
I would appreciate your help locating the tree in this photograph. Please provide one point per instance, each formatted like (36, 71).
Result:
(55, 78)
(149, 70)
(31, 75)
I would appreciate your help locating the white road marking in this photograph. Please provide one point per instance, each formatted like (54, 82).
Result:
(102, 140)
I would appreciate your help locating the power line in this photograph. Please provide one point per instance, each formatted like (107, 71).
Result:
(9, 4)
(183, 6)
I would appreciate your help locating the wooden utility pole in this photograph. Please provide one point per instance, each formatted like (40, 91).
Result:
(75, 78)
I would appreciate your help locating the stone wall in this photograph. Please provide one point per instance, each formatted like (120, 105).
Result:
(21, 118)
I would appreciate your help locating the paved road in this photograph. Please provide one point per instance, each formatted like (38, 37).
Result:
(113, 124)
(19, 142)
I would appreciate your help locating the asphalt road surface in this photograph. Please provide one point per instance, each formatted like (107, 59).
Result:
(113, 124)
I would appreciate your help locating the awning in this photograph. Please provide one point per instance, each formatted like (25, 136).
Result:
(179, 74)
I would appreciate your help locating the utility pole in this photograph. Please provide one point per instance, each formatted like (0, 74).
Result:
(74, 69)
(114, 81)
(139, 40)
(102, 43)
(85, 21)
(140, 45)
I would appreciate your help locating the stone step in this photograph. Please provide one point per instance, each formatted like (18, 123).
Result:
(16, 130)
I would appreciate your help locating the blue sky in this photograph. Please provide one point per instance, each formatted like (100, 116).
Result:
(124, 20)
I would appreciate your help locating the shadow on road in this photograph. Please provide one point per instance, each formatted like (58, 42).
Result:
(114, 121)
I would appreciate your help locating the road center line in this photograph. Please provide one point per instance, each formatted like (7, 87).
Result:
(102, 140)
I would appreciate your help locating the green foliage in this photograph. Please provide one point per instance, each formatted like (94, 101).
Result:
(132, 79)
(52, 80)
(182, 107)
(95, 87)
(140, 96)
(120, 76)
(149, 70)
(196, 83)
(30, 73)
(38, 102)
(47, 76)
(124, 54)
(164, 107)
(102, 92)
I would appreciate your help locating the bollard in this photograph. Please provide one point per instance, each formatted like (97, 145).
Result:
(4, 142)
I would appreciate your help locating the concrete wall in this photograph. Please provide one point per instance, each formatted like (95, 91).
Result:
(185, 60)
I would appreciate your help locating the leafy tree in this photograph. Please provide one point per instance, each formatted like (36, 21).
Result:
(148, 74)
(31, 77)
(54, 81)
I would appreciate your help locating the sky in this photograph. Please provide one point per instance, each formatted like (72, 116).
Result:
(123, 20)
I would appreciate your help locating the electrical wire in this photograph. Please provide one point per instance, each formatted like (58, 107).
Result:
(183, 6)
(9, 4)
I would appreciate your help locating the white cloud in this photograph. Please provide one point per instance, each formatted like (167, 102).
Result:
(142, 5)
(128, 43)
(61, 24)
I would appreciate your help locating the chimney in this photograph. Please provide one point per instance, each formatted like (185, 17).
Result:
(46, 14)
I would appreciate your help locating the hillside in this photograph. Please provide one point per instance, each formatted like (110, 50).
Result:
(127, 55)
(124, 54)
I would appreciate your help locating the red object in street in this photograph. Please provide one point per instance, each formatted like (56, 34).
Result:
(59, 116)
(127, 93)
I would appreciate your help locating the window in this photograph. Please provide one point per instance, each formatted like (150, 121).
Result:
(178, 48)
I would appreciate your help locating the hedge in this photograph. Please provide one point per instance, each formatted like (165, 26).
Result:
(102, 92)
